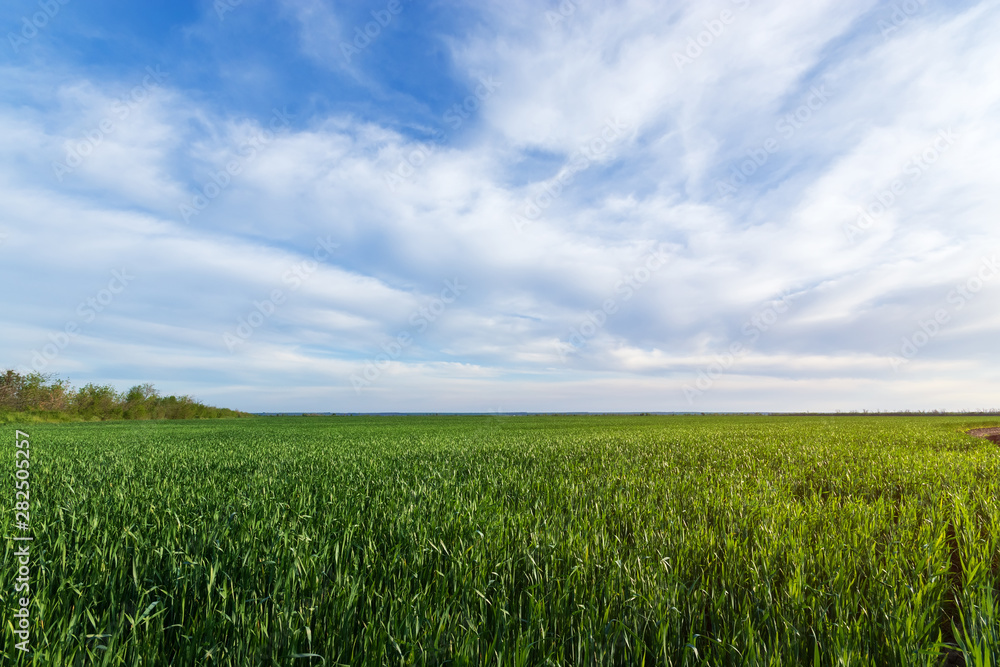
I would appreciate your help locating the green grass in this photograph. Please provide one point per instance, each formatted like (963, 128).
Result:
(511, 540)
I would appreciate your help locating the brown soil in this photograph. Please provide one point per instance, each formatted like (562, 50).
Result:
(952, 658)
(991, 434)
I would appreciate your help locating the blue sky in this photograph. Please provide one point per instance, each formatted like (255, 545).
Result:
(449, 206)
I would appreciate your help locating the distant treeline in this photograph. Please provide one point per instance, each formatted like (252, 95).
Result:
(48, 397)
(900, 413)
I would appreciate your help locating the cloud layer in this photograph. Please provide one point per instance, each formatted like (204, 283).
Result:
(622, 206)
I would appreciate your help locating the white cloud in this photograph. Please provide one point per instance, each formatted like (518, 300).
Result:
(783, 231)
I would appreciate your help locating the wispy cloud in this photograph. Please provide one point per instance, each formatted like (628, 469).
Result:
(801, 150)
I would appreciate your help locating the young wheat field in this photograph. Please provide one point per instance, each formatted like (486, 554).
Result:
(598, 540)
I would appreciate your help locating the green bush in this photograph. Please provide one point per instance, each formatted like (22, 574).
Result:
(37, 397)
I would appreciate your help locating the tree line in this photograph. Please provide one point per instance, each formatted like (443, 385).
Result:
(48, 396)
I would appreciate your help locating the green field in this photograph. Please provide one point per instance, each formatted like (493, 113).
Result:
(741, 540)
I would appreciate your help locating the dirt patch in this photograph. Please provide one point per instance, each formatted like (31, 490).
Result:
(952, 658)
(991, 434)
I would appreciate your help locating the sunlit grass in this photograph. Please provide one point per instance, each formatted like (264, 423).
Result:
(513, 540)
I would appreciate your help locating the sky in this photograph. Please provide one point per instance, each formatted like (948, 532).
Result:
(498, 206)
